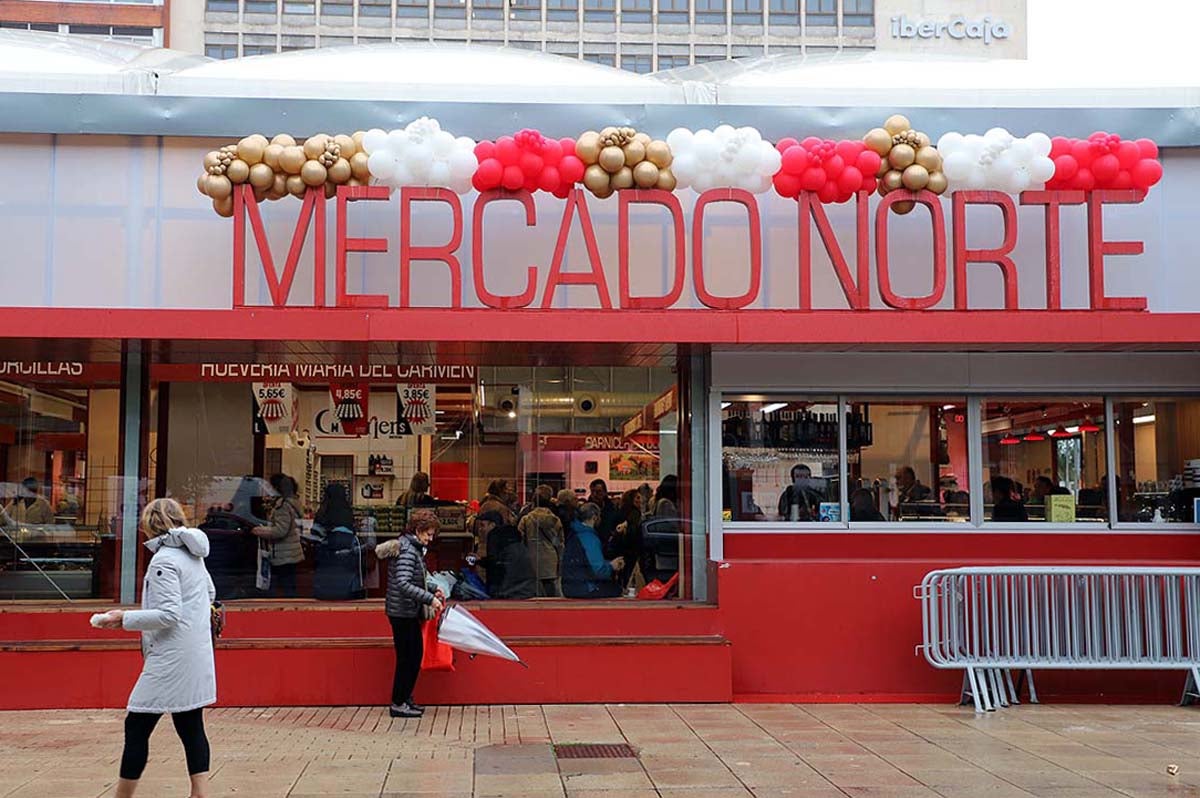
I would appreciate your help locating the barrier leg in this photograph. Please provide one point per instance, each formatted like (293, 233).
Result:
(1029, 681)
(1191, 688)
(971, 686)
(984, 693)
(1014, 695)
(997, 686)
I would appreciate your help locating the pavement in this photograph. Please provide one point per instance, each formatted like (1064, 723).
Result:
(685, 751)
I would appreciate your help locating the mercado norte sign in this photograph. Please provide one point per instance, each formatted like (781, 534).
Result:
(729, 171)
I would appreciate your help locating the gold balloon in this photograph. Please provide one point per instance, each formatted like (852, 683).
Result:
(587, 147)
(250, 150)
(882, 190)
(295, 185)
(347, 144)
(612, 159)
(623, 178)
(644, 138)
(260, 194)
(271, 155)
(202, 184)
(223, 206)
(879, 141)
(893, 180)
(884, 168)
(666, 180)
(340, 172)
(238, 171)
(279, 187)
(904, 206)
(595, 178)
(658, 153)
(635, 153)
(902, 156)
(315, 145)
(313, 174)
(357, 138)
(284, 140)
(262, 176)
(897, 124)
(292, 159)
(330, 191)
(645, 175)
(358, 166)
(923, 140)
(211, 160)
(928, 157)
(608, 131)
(915, 177)
(937, 182)
(604, 193)
(354, 181)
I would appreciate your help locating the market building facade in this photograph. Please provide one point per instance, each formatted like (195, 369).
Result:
(823, 399)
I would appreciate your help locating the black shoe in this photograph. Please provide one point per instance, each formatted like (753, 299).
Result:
(415, 705)
(404, 711)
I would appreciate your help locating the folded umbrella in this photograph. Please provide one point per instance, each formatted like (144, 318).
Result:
(463, 631)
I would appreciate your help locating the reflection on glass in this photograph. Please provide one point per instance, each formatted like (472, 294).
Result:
(780, 460)
(1158, 444)
(908, 459)
(1044, 460)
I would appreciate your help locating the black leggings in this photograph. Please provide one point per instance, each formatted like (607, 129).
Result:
(138, 727)
(410, 648)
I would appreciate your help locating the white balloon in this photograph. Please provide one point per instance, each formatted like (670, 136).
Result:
(1040, 143)
(397, 140)
(950, 142)
(373, 140)
(706, 149)
(1021, 150)
(1041, 169)
(679, 139)
(770, 160)
(724, 132)
(403, 177)
(957, 165)
(439, 174)
(683, 166)
(465, 143)
(746, 160)
(417, 158)
(463, 163)
(976, 178)
(750, 135)
(442, 144)
(460, 185)
(380, 164)
(1016, 181)
(998, 134)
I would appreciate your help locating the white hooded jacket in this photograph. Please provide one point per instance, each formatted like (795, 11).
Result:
(178, 673)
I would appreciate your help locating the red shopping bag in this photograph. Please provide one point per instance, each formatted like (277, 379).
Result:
(438, 656)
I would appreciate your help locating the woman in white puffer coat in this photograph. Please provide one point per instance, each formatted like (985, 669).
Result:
(178, 674)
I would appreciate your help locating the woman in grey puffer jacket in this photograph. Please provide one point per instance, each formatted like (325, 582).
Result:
(407, 598)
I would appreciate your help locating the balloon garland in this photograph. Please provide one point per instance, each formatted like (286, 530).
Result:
(887, 158)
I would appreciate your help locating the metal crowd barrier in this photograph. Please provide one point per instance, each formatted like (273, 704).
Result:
(992, 621)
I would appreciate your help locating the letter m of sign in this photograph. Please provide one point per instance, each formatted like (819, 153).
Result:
(279, 285)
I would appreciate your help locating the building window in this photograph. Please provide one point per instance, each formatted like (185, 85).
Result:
(221, 51)
(704, 58)
(519, 44)
(526, 10)
(336, 41)
(710, 12)
(747, 12)
(780, 459)
(299, 7)
(261, 7)
(673, 61)
(820, 13)
(607, 59)
(412, 9)
(642, 63)
(221, 6)
(636, 12)
(487, 9)
(784, 14)
(858, 13)
(1045, 460)
(337, 8)
(1158, 469)
(672, 12)
(452, 9)
(258, 49)
(562, 10)
(599, 10)
(375, 8)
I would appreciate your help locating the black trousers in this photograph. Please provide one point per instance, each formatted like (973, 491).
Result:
(410, 648)
(188, 725)
(283, 581)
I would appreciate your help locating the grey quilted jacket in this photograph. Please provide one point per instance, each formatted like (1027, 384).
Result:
(406, 590)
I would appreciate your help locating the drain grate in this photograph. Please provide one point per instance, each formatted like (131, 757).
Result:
(595, 751)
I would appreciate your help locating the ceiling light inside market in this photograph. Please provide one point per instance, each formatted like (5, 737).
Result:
(1009, 440)
(771, 408)
(1143, 420)
(1089, 426)
(1060, 432)
(1033, 436)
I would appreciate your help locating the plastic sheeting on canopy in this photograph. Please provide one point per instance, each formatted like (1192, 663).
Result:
(32, 61)
(419, 72)
(925, 81)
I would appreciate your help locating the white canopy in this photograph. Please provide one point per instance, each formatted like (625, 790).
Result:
(49, 62)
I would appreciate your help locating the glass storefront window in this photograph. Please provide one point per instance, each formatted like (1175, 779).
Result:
(1158, 444)
(59, 488)
(908, 459)
(1044, 460)
(779, 459)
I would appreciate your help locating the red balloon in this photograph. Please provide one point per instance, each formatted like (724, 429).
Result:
(795, 160)
(1065, 167)
(1123, 180)
(786, 185)
(843, 196)
(1081, 151)
(810, 143)
(828, 193)
(1147, 172)
(513, 178)
(485, 150)
(570, 168)
(563, 191)
(531, 182)
(869, 184)
(1105, 168)
(488, 175)
(531, 164)
(1128, 154)
(834, 166)
(849, 150)
(568, 146)
(784, 144)
(549, 179)
(1059, 145)
(1147, 148)
(1083, 180)
(868, 162)
(507, 151)
(849, 180)
(552, 153)
(812, 179)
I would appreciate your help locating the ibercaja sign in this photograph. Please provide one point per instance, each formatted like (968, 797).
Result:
(870, 261)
